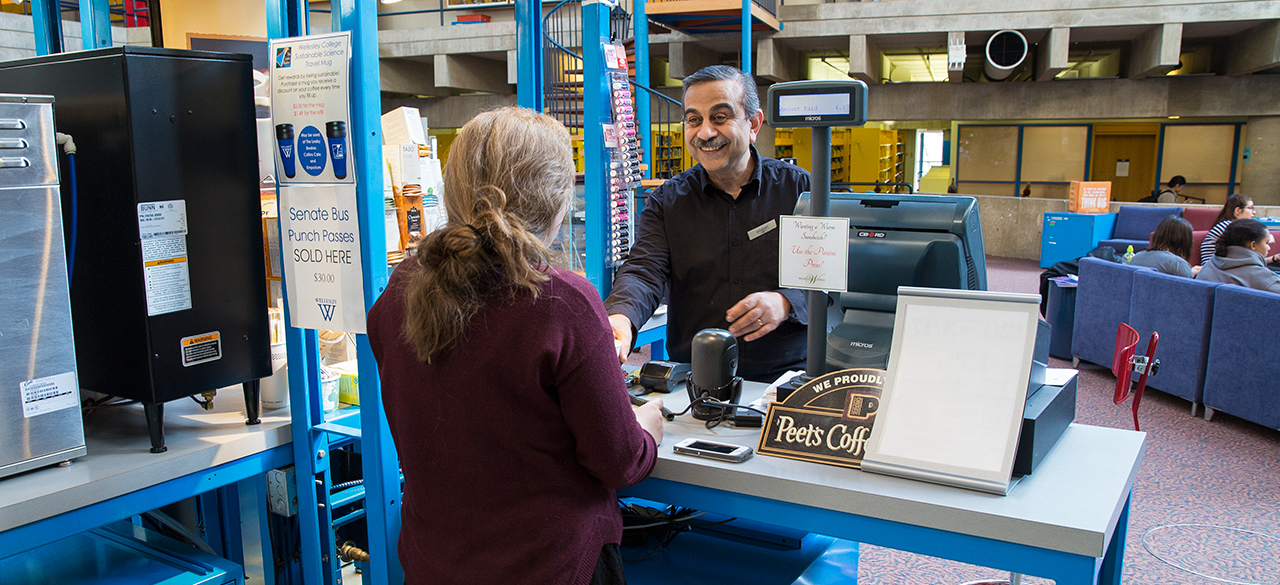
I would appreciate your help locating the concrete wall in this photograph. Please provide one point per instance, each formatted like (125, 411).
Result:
(1085, 99)
(450, 112)
(941, 16)
(18, 38)
(1012, 227)
(1260, 175)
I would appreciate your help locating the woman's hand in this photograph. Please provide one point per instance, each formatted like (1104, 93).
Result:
(650, 418)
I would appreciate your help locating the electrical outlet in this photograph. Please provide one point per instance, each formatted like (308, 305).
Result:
(282, 491)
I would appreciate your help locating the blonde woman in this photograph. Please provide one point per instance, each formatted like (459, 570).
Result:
(500, 378)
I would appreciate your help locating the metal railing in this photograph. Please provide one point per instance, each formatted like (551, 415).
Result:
(562, 96)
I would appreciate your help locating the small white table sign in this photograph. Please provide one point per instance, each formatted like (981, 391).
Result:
(813, 253)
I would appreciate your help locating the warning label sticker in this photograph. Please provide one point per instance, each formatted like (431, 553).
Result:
(48, 394)
(199, 349)
(162, 225)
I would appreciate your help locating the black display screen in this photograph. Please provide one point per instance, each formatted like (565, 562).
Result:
(798, 104)
(701, 446)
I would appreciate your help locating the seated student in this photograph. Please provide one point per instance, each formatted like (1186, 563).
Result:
(1237, 207)
(1170, 248)
(1240, 257)
(501, 381)
(1171, 190)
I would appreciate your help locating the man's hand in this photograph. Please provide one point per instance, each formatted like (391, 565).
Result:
(622, 332)
(757, 315)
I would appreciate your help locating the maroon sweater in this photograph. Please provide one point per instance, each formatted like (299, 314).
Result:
(513, 441)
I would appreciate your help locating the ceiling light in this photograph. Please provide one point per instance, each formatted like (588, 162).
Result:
(390, 1)
(1174, 117)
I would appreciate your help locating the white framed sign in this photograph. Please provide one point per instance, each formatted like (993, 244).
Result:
(310, 109)
(813, 253)
(953, 399)
(320, 239)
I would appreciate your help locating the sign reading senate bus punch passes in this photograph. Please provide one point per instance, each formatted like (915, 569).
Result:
(828, 420)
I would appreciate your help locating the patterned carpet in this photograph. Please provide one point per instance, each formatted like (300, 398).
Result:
(1217, 483)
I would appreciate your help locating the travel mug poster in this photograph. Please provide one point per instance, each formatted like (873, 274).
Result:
(310, 110)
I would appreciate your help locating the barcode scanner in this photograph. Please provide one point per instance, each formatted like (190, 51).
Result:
(713, 373)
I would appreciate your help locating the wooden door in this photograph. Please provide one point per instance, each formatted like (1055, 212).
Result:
(1139, 150)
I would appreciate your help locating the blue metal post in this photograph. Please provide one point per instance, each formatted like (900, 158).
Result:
(310, 447)
(529, 66)
(95, 24)
(46, 17)
(595, 103)
(642, 77)
(746, 36)
(380, 463)
(286, 18)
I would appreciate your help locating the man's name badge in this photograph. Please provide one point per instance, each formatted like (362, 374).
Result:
(763, 229)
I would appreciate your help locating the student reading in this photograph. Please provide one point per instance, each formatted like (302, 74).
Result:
(1170, 249)
(500, 380)
(707, 239)
(1240, 257)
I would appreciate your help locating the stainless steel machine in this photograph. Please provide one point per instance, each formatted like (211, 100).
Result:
(168, 283)
(40, 420)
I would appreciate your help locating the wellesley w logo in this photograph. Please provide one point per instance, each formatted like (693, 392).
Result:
(284, 57)
(327, 308)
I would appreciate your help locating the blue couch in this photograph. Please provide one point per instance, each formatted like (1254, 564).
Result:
(1180, 309)
(1215, 339)
(1243, 376)
(1102, 304)
(1134, 224)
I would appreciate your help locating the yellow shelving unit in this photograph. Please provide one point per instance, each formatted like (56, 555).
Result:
(892, 158)
(579, 153)
(669, 155)
(782, 144)
(855, 154)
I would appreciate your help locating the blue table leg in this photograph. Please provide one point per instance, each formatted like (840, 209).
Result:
(656, 339)
(1113, 561)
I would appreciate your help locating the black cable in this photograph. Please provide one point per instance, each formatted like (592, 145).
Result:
(658, 526)
(346, 485)
(725, 408)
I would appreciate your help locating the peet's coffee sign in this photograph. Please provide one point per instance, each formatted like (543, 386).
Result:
(828, 420)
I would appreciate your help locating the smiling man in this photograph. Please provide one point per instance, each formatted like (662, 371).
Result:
(707, 239)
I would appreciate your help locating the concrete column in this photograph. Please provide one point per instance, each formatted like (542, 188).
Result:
(777, 62)
(864, 59)
(406, 76)
(512, 63)
(687, 58)
(957, 53)
(468, 73)
(1260, 177)
(1051, 56)
(1156, 51)
(1255, 49)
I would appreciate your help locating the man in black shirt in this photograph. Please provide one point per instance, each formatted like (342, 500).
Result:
(709, 236)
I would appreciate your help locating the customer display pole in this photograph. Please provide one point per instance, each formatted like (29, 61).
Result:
(818, 105)
(819, 206)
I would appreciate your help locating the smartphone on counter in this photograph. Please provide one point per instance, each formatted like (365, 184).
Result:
(713, 450)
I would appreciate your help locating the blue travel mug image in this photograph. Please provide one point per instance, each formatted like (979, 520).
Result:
(284, 136)
(337, 133)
